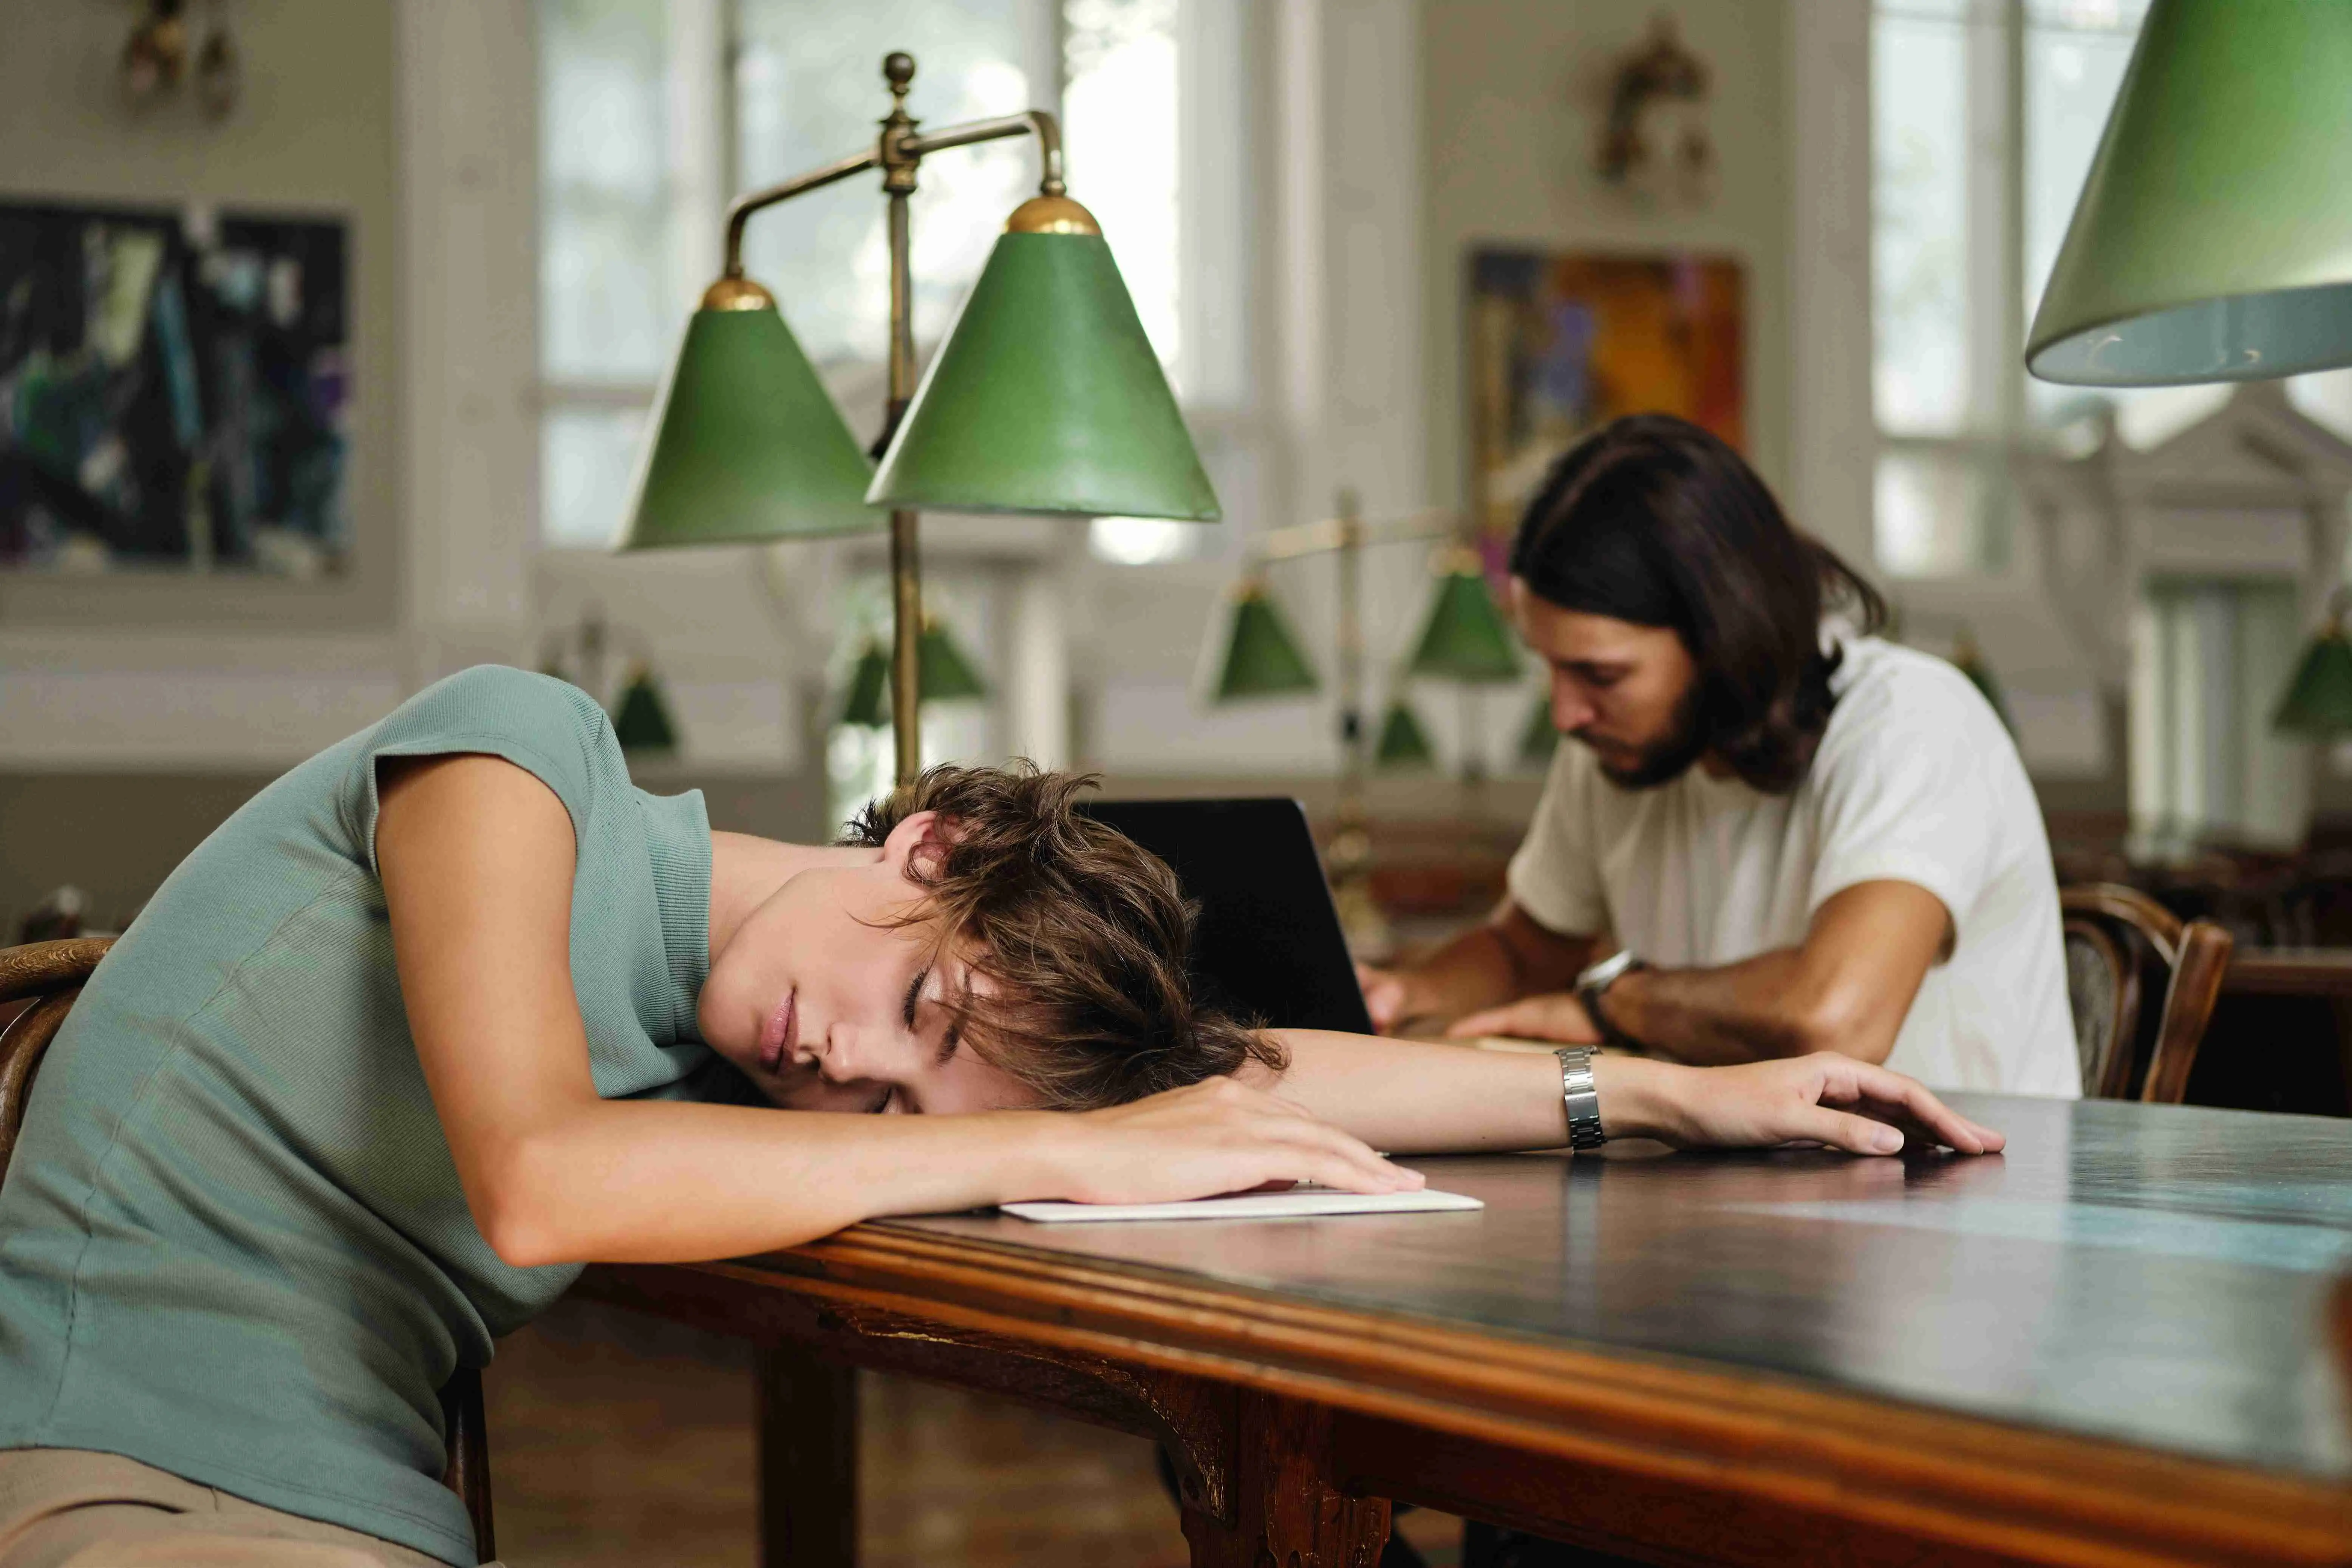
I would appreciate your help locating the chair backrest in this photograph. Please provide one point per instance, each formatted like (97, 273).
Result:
(2122, 948)
(42, 979)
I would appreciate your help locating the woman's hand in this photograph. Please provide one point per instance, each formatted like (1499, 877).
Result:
(1558, 1016)
(1213, 1137)
(1822, 1099)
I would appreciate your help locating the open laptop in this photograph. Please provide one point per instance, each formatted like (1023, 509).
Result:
(1268, 946)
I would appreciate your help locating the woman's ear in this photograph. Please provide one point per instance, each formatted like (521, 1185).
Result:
(915, 844)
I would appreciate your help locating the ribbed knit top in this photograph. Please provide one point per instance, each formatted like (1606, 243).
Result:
(233, 1243)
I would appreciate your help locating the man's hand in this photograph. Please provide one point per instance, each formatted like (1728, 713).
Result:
(1823, 1099)
(1508, 956)
(1557, 1016)
(1387, 996)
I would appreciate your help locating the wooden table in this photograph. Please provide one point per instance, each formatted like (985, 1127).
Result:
(2111, 1345)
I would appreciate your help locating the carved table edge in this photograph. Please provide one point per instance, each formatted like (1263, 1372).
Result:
(2060, 1498)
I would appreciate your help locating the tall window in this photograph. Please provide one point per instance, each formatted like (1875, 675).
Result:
(1985, 116)
(653, 111)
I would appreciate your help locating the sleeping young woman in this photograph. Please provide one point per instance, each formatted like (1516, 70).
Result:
(453, 1008)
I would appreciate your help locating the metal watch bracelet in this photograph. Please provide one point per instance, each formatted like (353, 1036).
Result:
(1592, 987)
(1581, 1098)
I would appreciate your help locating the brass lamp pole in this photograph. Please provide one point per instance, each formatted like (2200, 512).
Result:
(1344, 537)
(898, 152)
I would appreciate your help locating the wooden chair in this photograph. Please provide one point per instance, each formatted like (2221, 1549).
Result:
(2122, 946)
(39, 982)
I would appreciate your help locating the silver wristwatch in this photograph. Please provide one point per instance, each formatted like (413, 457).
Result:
(1594, 983)
(1578, 1093)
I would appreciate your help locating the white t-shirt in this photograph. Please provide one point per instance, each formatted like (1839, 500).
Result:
(1914, 781)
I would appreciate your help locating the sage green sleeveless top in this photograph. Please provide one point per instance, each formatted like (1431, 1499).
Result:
(232, 1241)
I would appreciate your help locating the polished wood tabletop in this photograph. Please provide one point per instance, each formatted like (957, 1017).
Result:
(2156, 1274)
(2112, 1345)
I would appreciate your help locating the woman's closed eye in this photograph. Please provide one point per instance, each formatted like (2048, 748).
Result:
(883, 1104)
(954, 1032)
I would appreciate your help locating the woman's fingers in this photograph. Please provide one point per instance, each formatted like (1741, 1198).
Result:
(1894, 1096)
(1844, 1129)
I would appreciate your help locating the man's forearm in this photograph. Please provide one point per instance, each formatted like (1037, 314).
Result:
(1476, 969)
(1756, 1010)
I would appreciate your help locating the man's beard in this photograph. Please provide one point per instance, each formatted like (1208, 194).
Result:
(1667, 760)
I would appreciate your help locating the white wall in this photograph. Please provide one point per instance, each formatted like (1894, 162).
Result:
(1513, 96)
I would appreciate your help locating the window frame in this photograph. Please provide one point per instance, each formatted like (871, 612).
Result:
(1226, 423)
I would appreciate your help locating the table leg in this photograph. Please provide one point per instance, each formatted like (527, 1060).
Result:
(807, 1459)
(1287, 1510)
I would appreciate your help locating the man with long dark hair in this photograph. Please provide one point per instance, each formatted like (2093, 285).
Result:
(1786, 834)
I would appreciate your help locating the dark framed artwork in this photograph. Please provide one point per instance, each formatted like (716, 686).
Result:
(1562, 344)
(175, 391)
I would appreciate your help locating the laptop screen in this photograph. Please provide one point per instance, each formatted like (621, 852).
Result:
(1268, 946)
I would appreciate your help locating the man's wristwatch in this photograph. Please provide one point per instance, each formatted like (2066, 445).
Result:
(1594, 983)
(1582, 1098)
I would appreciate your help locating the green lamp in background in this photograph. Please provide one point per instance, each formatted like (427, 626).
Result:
(1404, 744)
(945, 675)
(867, 705)
(2212, 240)
(1466, 638)
(1046, 395)
(2318, 701)
(641, 722)
(1262, 659)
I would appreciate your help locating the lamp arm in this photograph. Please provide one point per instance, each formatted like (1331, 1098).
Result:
(1329, 534)
(1047, 129)
(750, 202)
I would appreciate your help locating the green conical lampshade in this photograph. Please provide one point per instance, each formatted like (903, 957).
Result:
(868, 702)
(746, 446)
(1538, 740)
(2213, 237)
(2318, 701)
(1047, 397)
(1262, 659)
(1404, 744)
(643, 723)
(1466, 638)
(944, 675)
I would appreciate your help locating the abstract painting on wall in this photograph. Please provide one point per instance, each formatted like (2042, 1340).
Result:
(175, 391)
(1559, 345)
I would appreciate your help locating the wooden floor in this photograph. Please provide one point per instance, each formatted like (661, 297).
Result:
(616, 1440)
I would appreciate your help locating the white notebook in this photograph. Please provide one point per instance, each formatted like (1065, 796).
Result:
(1297, 1201)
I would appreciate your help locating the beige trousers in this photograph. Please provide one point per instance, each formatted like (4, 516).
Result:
(68, 1508)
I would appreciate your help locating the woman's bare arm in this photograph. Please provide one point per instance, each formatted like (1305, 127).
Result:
(1411, 1098)
(477, 858)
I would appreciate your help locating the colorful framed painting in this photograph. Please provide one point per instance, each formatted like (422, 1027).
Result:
(1561, 345)
(175, 391)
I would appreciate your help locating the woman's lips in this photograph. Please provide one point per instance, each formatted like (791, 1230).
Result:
(780, 1034)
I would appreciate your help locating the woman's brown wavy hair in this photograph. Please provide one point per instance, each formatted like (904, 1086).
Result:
(1656, 521)
(1084, 936)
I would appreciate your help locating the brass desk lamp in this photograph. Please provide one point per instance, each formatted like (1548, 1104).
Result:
(1044, 397)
